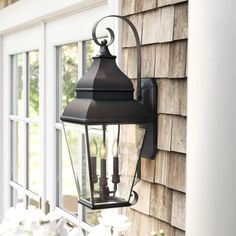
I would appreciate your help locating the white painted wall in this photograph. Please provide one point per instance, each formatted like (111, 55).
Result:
(211, 142)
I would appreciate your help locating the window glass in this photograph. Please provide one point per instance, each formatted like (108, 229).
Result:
(68, 73)
(67, 64)
(17, 197)
(18, 152)
(69, 190)
(67, 79)
(25, 131)
(20, 82)
(90, 49)
(33, 84)
(34, 158)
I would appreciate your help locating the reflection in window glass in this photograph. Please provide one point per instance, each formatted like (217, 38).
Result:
(68, 56)
(19, 82)
(34, 158)
(90, 49)
(33, 84)
(68, 77)
(17, 197)
(68, 186)
(25, 134)
(18, 152)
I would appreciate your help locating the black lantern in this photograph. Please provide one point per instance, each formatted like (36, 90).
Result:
(114, 130)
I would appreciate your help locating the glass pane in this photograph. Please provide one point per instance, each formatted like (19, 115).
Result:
(91, 216)
(114, 161)
(75, 137)
(69, 189)
(19, 84)
(90, 49)
(33, 83)
(68, 74)
(34, 158)
(16, 197)
(18, 133)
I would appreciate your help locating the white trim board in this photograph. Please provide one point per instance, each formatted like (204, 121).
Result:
(18, 16)
(1, 129)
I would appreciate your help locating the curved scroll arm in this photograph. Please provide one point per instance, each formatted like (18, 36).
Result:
(138, 47)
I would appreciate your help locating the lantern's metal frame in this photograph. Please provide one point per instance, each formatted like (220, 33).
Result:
(146, 90)
(104, 95)
(146, 94)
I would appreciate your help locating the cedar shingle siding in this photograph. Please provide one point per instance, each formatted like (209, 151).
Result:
(5, 3)
(163, 29)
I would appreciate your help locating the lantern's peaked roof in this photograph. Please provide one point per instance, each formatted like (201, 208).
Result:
(104, 95)
(104, 75)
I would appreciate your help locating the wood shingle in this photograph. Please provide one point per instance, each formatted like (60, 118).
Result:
(133, 215)
(153, 225)
(162, 60)
(166, 27)
(170, 170)
(162, 3)
(137, 6)
(145, 5)
(161, 169)
(160, 202)
(150, 30)
(131, 67)
(172, 96)
(178, 210)
(148, 60)
(167, 228)
(176, 171)
(128, 35)
(178, 55)
(158, 25)
(164, 132)
(143, 188)
(148, 170)
(162, 26)
(178, 139)
(179, 232)
(181, 21)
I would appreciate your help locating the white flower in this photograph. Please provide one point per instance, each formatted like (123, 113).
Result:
(110, 224)
(32, 222)
(118, 221)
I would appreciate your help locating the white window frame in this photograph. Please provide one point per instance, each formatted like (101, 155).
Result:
(41, 14)
(29, 40)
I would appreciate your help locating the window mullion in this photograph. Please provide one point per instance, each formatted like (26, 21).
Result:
(42, 113)
(59, 76)
(25, 138)
(80, 59)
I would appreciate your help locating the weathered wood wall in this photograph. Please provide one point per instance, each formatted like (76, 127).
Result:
(163, 29)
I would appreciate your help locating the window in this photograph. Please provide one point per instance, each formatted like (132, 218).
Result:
(25, 129)
(67, 77)
(42, 64)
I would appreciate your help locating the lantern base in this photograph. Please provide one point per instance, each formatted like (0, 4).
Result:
(111, 202)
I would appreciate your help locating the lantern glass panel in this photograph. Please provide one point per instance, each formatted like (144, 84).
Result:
(76, 141)
(105, 162)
